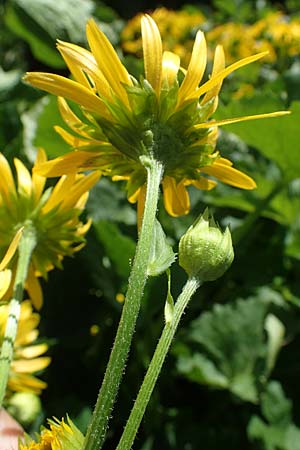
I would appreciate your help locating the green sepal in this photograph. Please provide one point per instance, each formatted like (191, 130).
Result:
(169, 305)
(162, 255)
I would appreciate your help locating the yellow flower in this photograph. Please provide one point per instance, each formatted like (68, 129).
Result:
(177, 28)
(27, 357)
(54, 215)
(165, 116)
(60, 435)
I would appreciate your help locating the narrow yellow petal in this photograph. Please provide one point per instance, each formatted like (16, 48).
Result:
(229, 175)
(63, 87)
(80, 188)
(32, 351)
(34, 289)
(108, 61)
(204, 184)
(170, 68)
(70, 118)
(31, 365)
(218, 123)
(24, 178)
(7, 183)
(70, 163)
(80, 62)
(60, 190)
(5, 280)
(195, 69)
(73, 141)
(11, 249)
(152, 51)
(38, 182)
(218, 66)
(24, 382)
(176, 198)
(224, 73)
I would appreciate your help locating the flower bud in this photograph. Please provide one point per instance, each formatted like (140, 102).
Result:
(205, 252)
(24, 407)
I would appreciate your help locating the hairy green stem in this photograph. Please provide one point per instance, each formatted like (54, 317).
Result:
(97, 429)
(155, 366)
(25, 248)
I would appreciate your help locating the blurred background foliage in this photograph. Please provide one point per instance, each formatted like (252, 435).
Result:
(231, 380)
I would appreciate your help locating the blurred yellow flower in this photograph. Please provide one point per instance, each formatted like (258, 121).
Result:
(164, 116)
(27, 357)
(177, 28)
(60, 435)
(53, 213)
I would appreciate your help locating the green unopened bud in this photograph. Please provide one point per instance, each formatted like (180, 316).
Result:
(24, 407)
(205, 251)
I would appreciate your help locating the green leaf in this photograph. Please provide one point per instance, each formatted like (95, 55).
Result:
(41, 22)
(162, 255)
(276, 138)
(230, 349)
(279, 433)
(118, 247)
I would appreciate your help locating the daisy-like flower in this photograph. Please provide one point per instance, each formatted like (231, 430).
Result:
(165, 116)
(27, 357)
(61, 435)
(54, 215)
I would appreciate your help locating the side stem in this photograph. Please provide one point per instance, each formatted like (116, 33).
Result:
(97, 429)
(25, 248)
(155, 366)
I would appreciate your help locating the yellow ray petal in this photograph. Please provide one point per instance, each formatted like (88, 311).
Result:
(176, 198)
(24, 178)
(5, 280)
(73, 141)
(63, 87)
(152, 51)
(229, 175)
(38, 182)
(224, 73)
(218, 66)
(11, 249)
(70, 118)
(61, 189)
(79, 189)
(34, 289)
(108, 61)
(26, 383)
(70, 163)
(32, 351)
(7, 183)
(80, 61)
(195, 69)
(31, 365)
(170, 68)
(204, 184)
(218, 123)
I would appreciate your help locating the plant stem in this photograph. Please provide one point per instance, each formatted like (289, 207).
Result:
(155, 366)
(25, 248)
(97, 429)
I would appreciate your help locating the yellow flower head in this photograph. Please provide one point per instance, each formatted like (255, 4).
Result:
(54, 215)
(165, 116)
(60, 435)
(27, 357)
